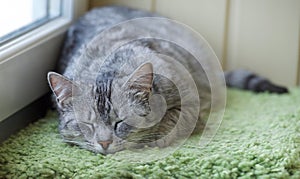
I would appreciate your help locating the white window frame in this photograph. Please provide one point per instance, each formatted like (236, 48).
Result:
(25, 61)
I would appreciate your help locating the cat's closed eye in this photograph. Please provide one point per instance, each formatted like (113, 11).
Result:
(122, 129)
(87, 129)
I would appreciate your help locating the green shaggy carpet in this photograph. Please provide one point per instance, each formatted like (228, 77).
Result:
(259, 137)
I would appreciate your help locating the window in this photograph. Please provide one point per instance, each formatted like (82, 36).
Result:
(31, 41)
(23, 16)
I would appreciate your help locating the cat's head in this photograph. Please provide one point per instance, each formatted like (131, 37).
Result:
(102, 117)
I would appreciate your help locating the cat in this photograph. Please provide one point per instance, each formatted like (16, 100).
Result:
(102, 102)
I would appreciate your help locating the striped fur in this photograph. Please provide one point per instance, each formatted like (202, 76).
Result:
(115, 99)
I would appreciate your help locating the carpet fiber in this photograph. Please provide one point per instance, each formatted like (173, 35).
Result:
(259, 136)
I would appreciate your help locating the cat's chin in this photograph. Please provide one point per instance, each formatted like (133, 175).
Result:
(107, 151)
(104, 152)
(113, 149)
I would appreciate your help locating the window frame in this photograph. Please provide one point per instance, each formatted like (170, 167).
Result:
(25, 61)
(32, 25)
(48, 29)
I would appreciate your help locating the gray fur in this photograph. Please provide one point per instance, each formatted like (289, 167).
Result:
(108, 105)
(244, 79)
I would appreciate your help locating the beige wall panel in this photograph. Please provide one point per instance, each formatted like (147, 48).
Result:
(141, 4)
(264, 37)
(299, 57)
(205, 16)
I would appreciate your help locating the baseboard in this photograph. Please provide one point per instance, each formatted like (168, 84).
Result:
(25, 116)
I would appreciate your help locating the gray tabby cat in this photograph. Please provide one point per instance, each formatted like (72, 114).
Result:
(100, 101)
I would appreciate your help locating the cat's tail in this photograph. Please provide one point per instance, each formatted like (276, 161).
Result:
(247, 80)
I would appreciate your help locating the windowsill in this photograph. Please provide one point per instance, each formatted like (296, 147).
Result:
(24, 63)
(33, 38)
(26, 60)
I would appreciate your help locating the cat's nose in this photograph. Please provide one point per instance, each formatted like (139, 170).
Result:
(105, 144)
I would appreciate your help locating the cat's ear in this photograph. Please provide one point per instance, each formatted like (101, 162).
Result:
(61, 87)
(142, 78)
(140, 85)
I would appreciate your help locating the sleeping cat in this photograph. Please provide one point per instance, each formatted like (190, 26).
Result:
(111, 102)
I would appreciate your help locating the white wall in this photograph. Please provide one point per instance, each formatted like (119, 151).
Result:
(264, 36)
(260, 35)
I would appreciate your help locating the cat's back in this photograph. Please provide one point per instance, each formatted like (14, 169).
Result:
(91, 24)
